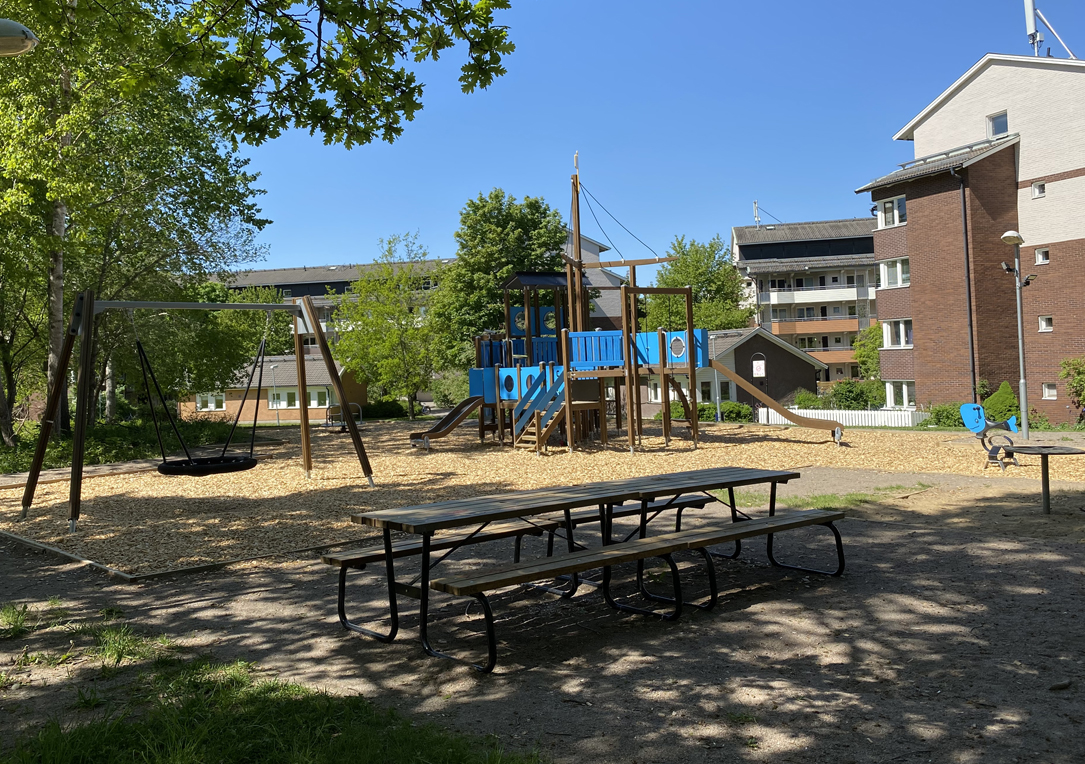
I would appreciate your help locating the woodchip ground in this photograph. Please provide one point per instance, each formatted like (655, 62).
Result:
(146, 523)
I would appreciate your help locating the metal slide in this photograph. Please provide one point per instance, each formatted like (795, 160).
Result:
(802, 421)
(448, 423)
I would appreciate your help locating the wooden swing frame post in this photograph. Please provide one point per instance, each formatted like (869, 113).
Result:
(82, 325)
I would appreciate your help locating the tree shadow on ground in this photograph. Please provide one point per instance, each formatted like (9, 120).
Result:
(937, 644)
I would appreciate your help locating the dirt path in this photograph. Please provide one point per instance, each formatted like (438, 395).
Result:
(942, 642)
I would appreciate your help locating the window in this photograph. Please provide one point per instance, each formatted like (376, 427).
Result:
(211, 402)
(1039, 190)
(836, 279)
(836, 310)
(1043, 256)
(854, 372)
(725, 391)
(1047, 323)
(309, 340)
(892, 212)
(706, 391)
(287, 293)
(282, 399)
(779, 314)
(896, 273)
(655, 391)
(850, 281)
(837, 341)
(997, 124)
(897, 334)
(851, 311)
(900, 395)
(1051, 391)
(318, 399)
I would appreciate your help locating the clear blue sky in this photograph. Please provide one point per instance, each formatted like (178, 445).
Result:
(683, 112)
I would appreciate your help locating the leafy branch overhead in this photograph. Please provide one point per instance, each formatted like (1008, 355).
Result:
(337, 67)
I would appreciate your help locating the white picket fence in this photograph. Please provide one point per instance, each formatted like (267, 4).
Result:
(877, 418)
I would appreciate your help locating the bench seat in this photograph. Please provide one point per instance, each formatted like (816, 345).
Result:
(358, 558)
(630, 551)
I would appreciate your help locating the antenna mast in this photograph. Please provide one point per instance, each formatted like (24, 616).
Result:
(756, 215)
(1036, 38)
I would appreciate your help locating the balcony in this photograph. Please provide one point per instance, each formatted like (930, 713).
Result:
(817, 325)
(833, 356)
(816, 294)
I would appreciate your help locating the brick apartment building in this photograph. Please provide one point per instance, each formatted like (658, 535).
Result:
(1001, 149)
(813, 285)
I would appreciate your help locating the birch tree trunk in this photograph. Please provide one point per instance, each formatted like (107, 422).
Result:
(110, 393)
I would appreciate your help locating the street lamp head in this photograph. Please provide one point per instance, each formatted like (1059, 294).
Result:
(1013, 238)
(15, 38)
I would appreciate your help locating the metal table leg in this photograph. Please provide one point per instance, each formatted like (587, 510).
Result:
(1045, 484)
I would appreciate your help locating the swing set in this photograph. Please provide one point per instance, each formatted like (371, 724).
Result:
(82, 325)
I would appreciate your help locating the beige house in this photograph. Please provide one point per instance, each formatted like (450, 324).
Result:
(279, 399)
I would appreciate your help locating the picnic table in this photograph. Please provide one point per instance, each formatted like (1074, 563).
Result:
(526, 511)
(1043, 451)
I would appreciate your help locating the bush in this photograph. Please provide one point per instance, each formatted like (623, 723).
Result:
(804, 399)
(731, 411)
(1038, 421)
(387, 409)
(945, 415)
(847, 394)
(1002, 405)
(450, 387)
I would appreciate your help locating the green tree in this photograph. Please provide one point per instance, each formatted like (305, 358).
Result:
(1073, 371)
(717, 288)
(130, 191)
(337, 67)
(497, 237)
(866, 345)
(385, 336)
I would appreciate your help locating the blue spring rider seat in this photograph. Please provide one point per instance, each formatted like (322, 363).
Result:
(998, 451)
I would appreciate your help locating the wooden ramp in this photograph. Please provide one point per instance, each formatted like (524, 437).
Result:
(836, 428)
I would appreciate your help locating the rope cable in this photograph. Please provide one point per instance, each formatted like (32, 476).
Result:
(589, 193)
(596, 219)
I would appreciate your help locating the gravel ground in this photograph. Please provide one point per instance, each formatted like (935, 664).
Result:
(954, 636)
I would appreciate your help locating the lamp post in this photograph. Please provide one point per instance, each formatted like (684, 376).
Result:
(15, 38)
(1014, 238)
(274, 392)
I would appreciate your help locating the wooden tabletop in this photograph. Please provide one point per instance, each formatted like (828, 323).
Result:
(427, 518)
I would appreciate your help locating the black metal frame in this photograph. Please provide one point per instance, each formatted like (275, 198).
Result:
(836, 534)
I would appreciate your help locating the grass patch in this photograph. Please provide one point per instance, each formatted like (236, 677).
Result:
(754, 499)
(200, 711)
(13, 620)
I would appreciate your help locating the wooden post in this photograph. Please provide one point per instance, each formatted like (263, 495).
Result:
(84, 389)
(628, 351)
(617, 406)
(508, 316)
(602, 411)
(570, 428)
(51, 406)
(692, 358)
(337, 383)
(303, 401)
(529, 351)
(665, 391)
(500, 409)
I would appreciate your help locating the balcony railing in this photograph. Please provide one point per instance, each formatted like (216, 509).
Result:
(817, 288)
(820, 318)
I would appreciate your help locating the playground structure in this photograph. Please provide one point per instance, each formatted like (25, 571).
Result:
(82, 325)
(547, 374)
